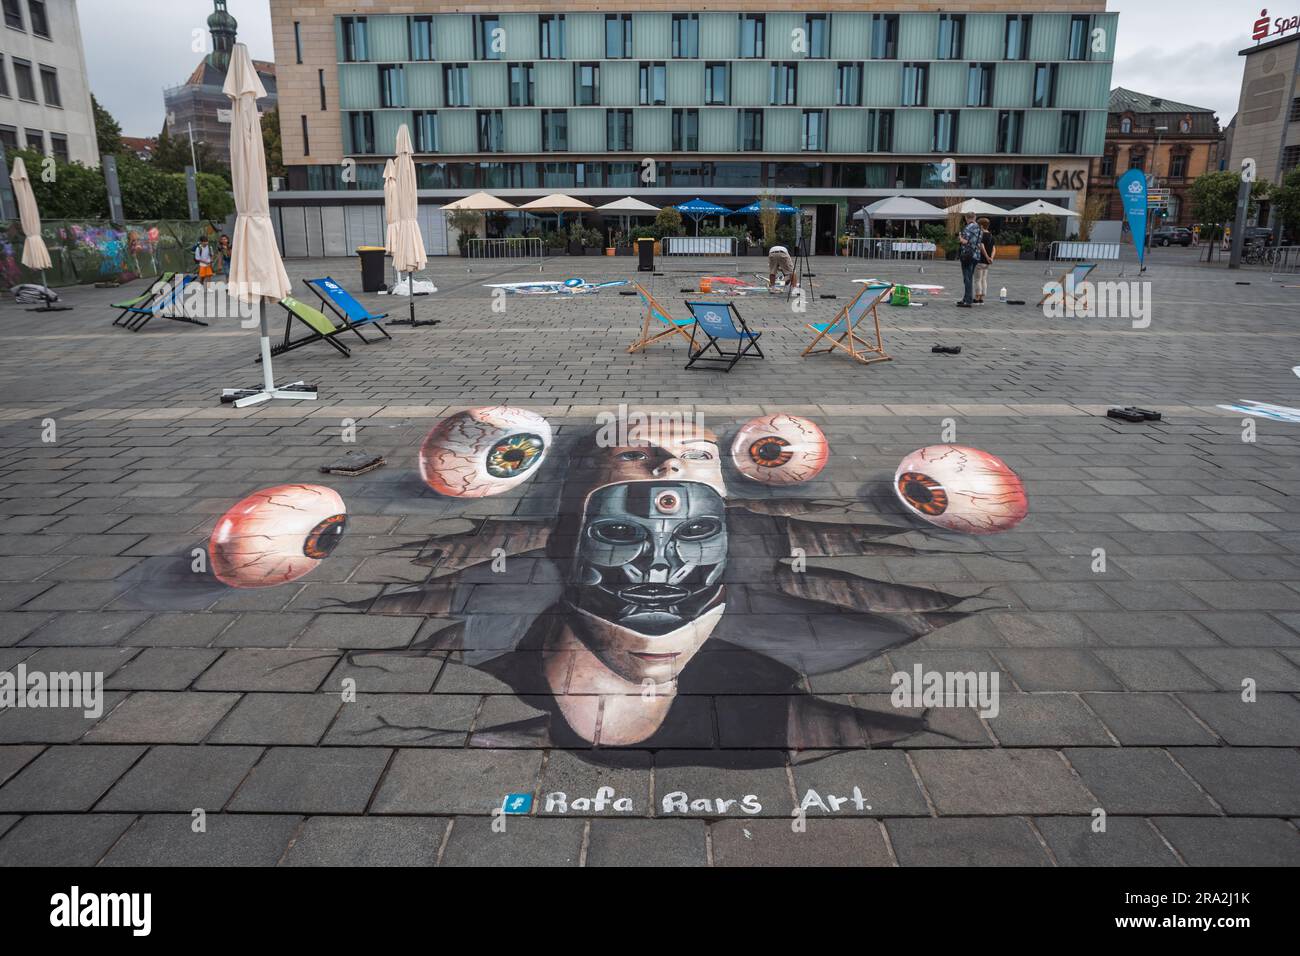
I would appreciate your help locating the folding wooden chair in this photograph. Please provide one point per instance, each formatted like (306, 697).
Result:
(323, 330)
(1069, 282)
(348, 310)
(842, 332)
(168, 303)
(720, 322)
(655, 313)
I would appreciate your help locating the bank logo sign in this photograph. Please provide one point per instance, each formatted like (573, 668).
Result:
(1266, 27)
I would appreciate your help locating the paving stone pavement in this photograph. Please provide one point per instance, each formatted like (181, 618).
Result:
(1143, 621)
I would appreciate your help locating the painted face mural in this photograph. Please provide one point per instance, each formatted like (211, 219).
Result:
(276, 535)
(634, 603)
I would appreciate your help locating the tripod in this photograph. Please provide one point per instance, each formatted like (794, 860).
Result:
(802, 270)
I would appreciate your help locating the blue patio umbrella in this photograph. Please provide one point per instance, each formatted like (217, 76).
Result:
(697, 209)
(756, 207)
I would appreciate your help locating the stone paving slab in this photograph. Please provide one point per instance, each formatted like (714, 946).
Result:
(313, 727)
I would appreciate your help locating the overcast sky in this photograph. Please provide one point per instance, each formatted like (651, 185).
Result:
(1184, 50)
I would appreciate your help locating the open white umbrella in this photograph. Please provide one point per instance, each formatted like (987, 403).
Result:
(627, 207)
(408, 244)
(257, 274)
(557, 203)
(480, 202)
(978, 206)
(1040, 208)
(904, 207)
(35, 254)
(390, 205)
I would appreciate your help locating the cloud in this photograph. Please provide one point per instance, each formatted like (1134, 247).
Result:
(1199, 74)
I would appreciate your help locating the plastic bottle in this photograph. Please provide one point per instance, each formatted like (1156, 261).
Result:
(1003, 294)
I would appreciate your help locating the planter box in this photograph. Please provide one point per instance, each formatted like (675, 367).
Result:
(592, 251)
(623, 250)
(1006, 252)
(575, 249)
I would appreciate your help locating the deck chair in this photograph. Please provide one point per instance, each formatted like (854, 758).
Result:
(843, 331)
(658, 320)
(168, 303)
(152, 290)
(349, 311)
(322, 329)
(719, 322)
(1070, 281)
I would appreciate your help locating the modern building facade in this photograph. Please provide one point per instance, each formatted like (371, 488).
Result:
(44, 92)
(1171, 142)
(829, 103)
(198, 107)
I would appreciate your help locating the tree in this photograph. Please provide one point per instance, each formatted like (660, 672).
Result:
(1093, 209)
(73, 191)
(668, 222)
(215, 199)
(271, 142)
(108, 133)
(1286, 200)
(1214, 203)
(172, 155)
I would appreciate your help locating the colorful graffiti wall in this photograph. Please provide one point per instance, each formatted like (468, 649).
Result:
(90, 252)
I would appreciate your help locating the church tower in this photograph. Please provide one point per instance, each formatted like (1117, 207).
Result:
(222, 26)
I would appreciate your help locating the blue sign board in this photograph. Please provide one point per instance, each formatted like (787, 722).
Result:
(1132, 188)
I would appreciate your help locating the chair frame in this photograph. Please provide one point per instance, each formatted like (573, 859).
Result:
(1068, 299)
(746, 339)
(858, 348)
(149, 296)
(288, 344)
(652, 305)
(348, 323)
(139, 317)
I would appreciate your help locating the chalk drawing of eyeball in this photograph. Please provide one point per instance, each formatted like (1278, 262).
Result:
(779, 449)
(484, 451)
(276, 535)
(961, 489)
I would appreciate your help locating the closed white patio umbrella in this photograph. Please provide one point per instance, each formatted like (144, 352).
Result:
(257, 273)
(390, 205)
(35, 254)
(408, 243)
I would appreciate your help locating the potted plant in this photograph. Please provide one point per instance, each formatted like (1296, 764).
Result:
(843, 242)
(1044, 229)
(948, 244)
(592, 243)
(465, 222)
(1027, 246)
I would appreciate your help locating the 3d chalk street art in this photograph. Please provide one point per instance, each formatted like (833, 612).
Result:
(633, 598)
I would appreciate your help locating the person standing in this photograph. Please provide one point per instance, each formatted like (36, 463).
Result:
(982, 268)
(222, 262)
(969, 253)
(203, 258)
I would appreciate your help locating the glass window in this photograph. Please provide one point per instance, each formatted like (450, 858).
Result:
(752, 26)
(297, 41)
(618, 130)
(35, 139)
(848, 85)
(1070, 122)
(819, 35)
(23, 80)
(13, 14)
(880, 131)
(1010, 125)
(489, 38)
(686, 131)
(456, 84)
(362, 124)
(59, 147)
(586, 81)
(421, 30)
(945, 131)
(1137, 159)
(489, 131)
(521, 84)
(426, 131)
(783, 84)
(884, 36)
(751, 131)
(1044, 85)
(814, 131)
(653, 84)
(979, 84)
(555, 131)
(618, 36)
(392, 86)
(354, 39)
(1017, 37)
(4, 77)
(1080, 27)
(1108, 163)
(551, 36)
(686, 36)
(715, 84)
(951, 28)
(9, 137)
(1126, 125)
(320, 82)
(915, 81)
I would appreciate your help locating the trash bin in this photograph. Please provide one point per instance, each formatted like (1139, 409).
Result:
(372, 267)
(645, 250)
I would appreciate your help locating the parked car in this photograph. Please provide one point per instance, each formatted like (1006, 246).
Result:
(1172, 236)
(1259, 234)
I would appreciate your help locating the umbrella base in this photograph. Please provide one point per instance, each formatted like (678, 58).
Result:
(52, 308)
(242, 397)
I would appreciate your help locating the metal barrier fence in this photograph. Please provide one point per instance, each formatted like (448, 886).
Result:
(1283, 261)
(696, 252)
(524, 249)
(886, 248)
(1089, 251)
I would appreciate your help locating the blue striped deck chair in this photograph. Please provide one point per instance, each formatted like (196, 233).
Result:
(845, 330)
(349, 311)
(1069, 283)
(155, 287)
(658, 320)
(719, 322)
(169, 304)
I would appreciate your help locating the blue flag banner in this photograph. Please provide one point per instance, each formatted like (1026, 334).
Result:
(1133, 192)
